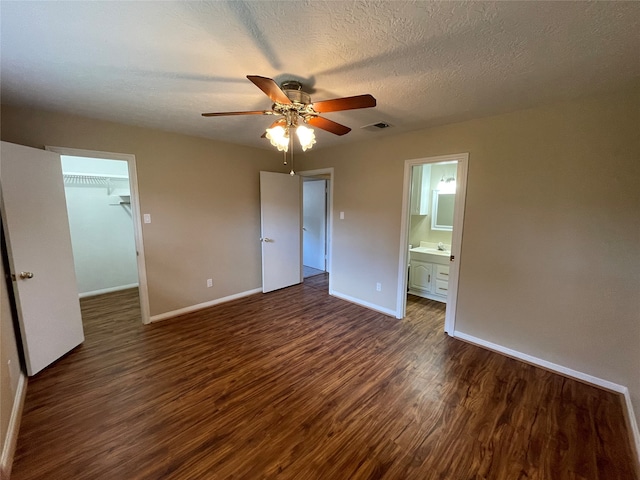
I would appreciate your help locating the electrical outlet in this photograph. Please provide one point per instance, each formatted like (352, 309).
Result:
(378, 287)
(209, 282)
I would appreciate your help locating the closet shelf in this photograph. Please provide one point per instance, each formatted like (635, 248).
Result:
(113, 183)
(90, 178)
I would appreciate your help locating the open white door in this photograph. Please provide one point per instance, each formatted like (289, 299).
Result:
(34, 215)
(281, 212)
(314, 199)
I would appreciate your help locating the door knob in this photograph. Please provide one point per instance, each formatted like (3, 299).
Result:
(26, 275)
(266, 240)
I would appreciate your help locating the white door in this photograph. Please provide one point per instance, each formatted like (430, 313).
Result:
(34, 215)
(314, 212)
(281, 211)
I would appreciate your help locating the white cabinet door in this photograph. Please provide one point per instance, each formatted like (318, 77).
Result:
(420, 188)
(421, 273)
(34, 215)
(281, 213)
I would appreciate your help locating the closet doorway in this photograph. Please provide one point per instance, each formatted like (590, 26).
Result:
(104, 221)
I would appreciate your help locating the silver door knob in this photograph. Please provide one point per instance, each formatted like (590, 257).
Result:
(267, 240)
(26, 275)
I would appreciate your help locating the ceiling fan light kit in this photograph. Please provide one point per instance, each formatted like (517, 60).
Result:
(279, 137)
(296, 109)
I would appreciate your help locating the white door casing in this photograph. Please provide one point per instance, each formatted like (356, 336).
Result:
(462, 160)
(281, 226)
(34, 215)
(135, 213)
(314, 223)
(328, 175)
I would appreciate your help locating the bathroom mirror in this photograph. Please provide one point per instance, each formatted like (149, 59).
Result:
(442, 208)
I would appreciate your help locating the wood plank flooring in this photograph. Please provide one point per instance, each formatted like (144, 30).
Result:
(300, 385)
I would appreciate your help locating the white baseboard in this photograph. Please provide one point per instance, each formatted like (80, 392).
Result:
(9, 444)
(633, 423)
(200, 306)
(107, 290)
(362, 303)
(567, 372)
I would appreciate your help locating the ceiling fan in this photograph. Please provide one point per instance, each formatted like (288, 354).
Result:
(295, 108)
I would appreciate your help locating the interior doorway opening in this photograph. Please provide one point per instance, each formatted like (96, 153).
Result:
(98, 198)
(431, 233)
(105, 223)
(314, 226)
(317, 194)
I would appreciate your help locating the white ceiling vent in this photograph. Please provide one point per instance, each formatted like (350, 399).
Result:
(373, 127)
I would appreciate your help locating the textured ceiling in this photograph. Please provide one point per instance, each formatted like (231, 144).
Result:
(161, 64)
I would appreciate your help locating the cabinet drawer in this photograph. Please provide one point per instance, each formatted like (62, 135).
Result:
(441, 288)
(442, 272)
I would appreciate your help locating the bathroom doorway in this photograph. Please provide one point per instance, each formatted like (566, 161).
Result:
(431, 232)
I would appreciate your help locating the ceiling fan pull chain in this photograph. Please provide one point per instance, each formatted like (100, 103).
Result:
(292, 173)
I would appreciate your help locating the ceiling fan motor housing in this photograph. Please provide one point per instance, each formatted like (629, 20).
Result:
(293, 91)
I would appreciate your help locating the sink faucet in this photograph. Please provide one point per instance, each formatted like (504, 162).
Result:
(441, 247)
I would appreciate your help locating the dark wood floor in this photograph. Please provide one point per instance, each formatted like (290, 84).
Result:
(300, 385)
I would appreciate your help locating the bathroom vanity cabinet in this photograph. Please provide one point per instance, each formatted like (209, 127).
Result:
(428, 279)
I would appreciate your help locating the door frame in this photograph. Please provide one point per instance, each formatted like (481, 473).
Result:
(456, 240)
(325, 206)
(326, 174)
(135, 213)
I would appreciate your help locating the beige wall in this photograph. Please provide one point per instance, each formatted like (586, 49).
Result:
(550, 259)
(203, 197)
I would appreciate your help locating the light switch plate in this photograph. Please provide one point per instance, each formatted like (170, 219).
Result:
(146, 218)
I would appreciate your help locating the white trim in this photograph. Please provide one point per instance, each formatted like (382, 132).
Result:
(135, 213)
(11, 438)
(567, 372)
(462, 160)
(632, 422)
(554, 367)
(94, 293)
(200, 306)
(362, 303)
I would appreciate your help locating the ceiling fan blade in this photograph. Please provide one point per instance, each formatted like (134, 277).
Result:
(271, 88)
(222, 114)
(346, 103)
(282, 121)
(328, 125)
